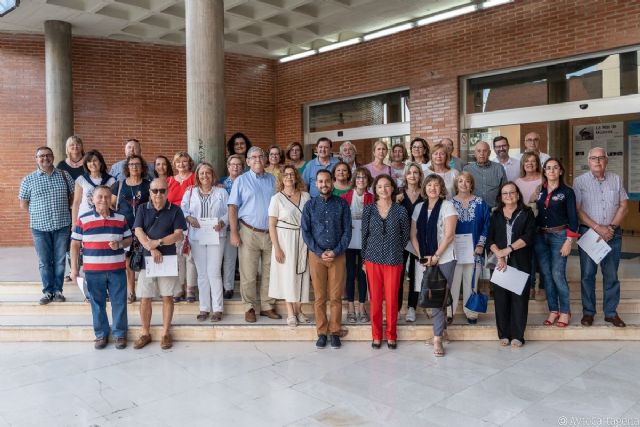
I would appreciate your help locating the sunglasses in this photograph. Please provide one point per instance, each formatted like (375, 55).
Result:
(159, 190)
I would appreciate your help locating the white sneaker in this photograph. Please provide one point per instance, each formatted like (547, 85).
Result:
(411, 315)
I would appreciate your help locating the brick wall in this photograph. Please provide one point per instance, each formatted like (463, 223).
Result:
(430, 60)
(120, 90)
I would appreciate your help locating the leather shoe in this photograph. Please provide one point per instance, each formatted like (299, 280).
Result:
(166, 342)
(271, 314)
(587, 320)
(228, 294)
(616, 320)
(142, 341)
(121, 343)
(100, 343)
(250, 316)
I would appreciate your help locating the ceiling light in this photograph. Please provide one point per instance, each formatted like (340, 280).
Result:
(388, 31)
(298, 56)
(338, 45)
(491, 3)
(447, 15)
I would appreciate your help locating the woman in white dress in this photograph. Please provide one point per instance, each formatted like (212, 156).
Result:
(289, 278)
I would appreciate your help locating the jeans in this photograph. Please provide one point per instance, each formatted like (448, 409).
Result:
(553, 269)
(51, 247)
(115, 282)
(354, 269)
(610, 282)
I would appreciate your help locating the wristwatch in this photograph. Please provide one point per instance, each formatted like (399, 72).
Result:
(614, 227)
(160, 242)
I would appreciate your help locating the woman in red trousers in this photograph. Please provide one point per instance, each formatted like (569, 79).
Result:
(385, 233)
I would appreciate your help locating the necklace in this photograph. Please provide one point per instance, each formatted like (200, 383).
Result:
(73, 163)
(288, 195)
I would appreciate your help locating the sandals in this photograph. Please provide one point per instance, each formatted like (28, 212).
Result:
(202, 316)
(302, 318)
(553, 317)
(351, 317)
(178, 298)
(504, 342)
(516, 343)
(191, 296)
(438, 349)
(216, 316)
(292, 321)
(560, 324)
(131, 298)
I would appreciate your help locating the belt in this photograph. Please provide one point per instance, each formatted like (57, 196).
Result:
(553, 229)
(259, 230)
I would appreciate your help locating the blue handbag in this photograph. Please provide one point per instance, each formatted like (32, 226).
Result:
(477, 301)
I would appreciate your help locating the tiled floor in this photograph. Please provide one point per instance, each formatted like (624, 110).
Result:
(275, 384)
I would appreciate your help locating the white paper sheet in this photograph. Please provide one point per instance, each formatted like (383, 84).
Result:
(206, 233)
(167, 268)
(594, 246)
(464, 248)
(356, 234)
(410, 248)
(82, 284)
(512, 279)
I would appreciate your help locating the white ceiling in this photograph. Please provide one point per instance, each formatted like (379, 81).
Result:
(266, 28)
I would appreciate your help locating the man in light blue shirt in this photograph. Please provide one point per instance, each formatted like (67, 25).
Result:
(323, 161)
(130, 148)
(249, 223)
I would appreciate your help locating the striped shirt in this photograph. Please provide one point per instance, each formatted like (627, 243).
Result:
(95, 233)
(599, 198)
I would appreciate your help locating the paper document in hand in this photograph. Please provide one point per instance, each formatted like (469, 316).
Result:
(167, 268)
(594, 246)
(356, 234)
(82, 284)
(512, 279)
(464, 249)
(410, 248)
(207, 235)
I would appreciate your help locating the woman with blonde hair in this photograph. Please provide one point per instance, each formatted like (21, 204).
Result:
(289, 278)
(377, 166)
(440, 165)
(206, 200)
(75, 156)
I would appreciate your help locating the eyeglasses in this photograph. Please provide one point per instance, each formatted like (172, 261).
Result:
(501, 147)
(159, 190)
(135, 165)
(509, 193)
(361, 177)
(598, 158)
(532, 139)
(260, 157)
(552, 168)
(44, 156)
(237, 165)
(289, 175)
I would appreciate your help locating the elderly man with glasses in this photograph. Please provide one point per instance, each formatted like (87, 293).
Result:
(601, 201)
(159, 225)
(249, 223)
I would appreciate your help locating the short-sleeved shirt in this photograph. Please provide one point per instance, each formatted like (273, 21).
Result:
(48, 197)
(95, 233)
(129, 197)
(449, 178)
(446, 210)
(488, 178)
(384, 239)
(159, 224)
(599, 198)
(86, 204)
(310, 171)
(252, 193)
(227, 183)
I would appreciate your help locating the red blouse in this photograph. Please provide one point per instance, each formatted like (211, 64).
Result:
(176, 190)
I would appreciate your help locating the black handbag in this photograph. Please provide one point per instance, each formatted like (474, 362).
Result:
(136, 260)
(434, 292)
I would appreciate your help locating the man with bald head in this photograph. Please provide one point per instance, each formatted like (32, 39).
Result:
(488, 175)
(531, 145)
(601, 201)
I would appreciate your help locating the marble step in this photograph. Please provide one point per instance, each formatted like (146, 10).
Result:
(27, 305)
(233, 328)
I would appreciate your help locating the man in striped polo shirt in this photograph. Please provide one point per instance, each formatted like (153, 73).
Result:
(103, 235)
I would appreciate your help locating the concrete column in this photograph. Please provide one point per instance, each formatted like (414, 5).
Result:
(205, 81)
(59, 97)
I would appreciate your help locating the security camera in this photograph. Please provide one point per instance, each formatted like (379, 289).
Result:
(584, 106)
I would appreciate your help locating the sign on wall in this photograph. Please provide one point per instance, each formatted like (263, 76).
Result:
(634, 160)
(609, 136)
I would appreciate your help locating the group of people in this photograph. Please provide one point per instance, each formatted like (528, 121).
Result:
(328, 222)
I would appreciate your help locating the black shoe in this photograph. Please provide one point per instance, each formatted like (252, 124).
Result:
(58, 297)
(472, 321)
(322, 341)
(228, 294)
(335, 342)
(392, 345)
(100, 343)
(449, 320)
(376, 345)
(46, 298)
(121, 343)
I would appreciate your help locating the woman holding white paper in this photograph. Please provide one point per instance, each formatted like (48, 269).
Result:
(357, 199)
(289, 277)
(204, 200)
(473, 224)
(511, 235)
